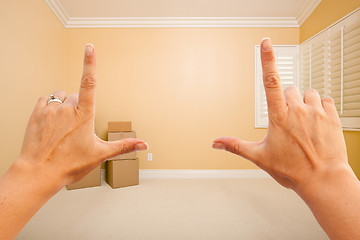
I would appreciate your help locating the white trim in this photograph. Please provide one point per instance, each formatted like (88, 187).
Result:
(59, 11)
(309, 7)
(179, 22)
(350, 123)
(351, 129)
(201, 173)
(166, 22)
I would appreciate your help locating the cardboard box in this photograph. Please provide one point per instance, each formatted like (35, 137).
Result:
(93, 179)
(124, 126)
(122, 173)
(114, 136)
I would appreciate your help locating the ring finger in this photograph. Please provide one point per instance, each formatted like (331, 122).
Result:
(60, 95)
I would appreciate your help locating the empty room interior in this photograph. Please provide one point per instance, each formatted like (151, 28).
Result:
(177, 74)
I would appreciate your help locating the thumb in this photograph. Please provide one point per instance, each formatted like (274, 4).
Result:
(248, 150)
(123, 146)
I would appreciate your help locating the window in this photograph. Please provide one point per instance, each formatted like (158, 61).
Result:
(287, 65)
(330, 63)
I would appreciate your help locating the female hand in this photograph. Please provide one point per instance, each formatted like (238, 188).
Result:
(59, 148)
(60, 140)
(304, 136)
(304, 150)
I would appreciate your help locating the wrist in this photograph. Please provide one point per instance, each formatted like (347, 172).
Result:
(36, 176)
(332, 194)
(323, 181)
(24, 190)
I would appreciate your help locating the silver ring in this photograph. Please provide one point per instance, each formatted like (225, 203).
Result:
(54, 99)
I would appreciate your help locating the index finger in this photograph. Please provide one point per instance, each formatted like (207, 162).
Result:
(88, 81)
(271, 79)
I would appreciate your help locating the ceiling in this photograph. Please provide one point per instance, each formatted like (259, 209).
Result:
(288, 12)
(183, 8)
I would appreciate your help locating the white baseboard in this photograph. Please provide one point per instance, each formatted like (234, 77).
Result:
(198, 173)
(202, 173)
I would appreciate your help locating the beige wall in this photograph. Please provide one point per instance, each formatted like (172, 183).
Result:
(180, 87)
(328, 12)
(31, 65)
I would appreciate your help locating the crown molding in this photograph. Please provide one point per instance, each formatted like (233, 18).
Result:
(309, 7)
(178, 22)
(59, 11)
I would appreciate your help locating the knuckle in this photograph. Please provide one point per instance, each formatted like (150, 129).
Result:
(290, 89)
(88, 82)
(41, 99)
(319, 115)
(59, 93)
(278, 118)
(50, 112)
(311, 92)
(272, 80)
(299, 109)
(66, 109)
(235, 148)
(328, 100)
(126, 148)
(336, 122)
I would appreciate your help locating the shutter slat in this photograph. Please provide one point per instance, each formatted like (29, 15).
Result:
(349, 106)
(354, 113)
(351, 41)
(349, 99)
(351, 32)
(347, 85)
(351, 63)
(351, 70)
(316, 86)
(352, 55)
(317, 80)
(352, 77)
(317, 74)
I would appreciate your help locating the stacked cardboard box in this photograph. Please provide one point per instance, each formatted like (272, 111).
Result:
(93, 179)
(122, 170)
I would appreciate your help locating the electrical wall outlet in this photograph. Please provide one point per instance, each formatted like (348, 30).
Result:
(149, 156)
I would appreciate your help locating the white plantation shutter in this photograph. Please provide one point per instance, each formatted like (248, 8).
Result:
(335, 70)
(335, 64)
(313, 67)
(287, 65)
(305, 67)
(350, 102)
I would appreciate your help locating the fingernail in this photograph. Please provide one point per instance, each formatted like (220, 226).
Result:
(266, 44)
(89, 49)
(141, 146)
(217, 145)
